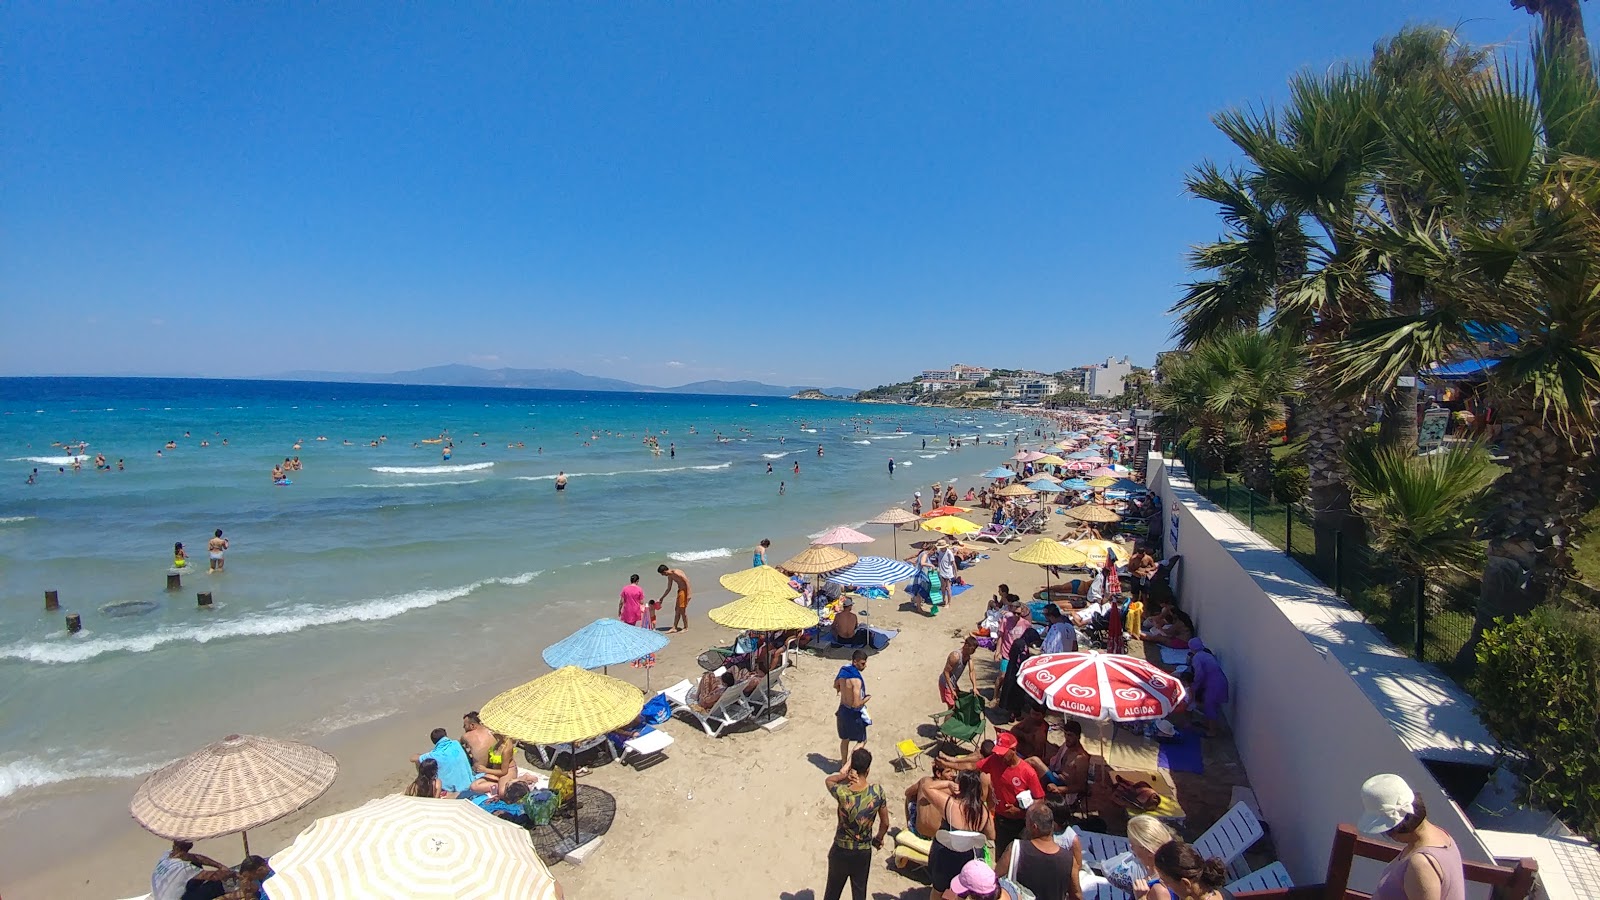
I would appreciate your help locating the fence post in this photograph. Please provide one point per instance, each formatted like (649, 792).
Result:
(1338, 563)
(1252, 509)
(1288, 529)
(1421, 613)
(1227, 493)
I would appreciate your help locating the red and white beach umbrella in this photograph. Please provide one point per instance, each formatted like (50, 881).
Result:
(1095, 685)
(1079, 465)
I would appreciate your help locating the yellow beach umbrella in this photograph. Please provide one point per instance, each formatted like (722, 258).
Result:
(819, 560)
(1051, 460)
(950, 525)
(764, 612)
(759, 580)
(564, 707)
(1102, 481)
(1014, 490)
(1046, 552)
(1098, 550)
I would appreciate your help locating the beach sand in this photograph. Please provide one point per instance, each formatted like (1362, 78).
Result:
(747, 810)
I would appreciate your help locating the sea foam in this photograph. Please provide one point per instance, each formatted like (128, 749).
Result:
(717, 467)
(287, 621)
(32, 772)
(418, 484)
(697, 555)
(50, 460)
(433, 470)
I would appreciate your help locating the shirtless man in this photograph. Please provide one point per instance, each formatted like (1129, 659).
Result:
(846, 625)
(1067, 772)
(561, 481)
(923, 815)
(680, 613)
(215, 548)
(956, 666)
(477, 739)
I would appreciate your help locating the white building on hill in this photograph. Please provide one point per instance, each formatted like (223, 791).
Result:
(1105, 379)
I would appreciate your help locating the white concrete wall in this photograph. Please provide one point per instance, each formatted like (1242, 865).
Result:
(1307, 728)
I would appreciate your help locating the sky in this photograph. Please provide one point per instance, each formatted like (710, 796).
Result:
(799, 193)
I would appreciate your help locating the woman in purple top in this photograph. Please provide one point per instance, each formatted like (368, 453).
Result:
(1429, 868)
(1210, 688)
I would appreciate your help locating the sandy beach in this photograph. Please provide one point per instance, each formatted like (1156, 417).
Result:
(746, 809)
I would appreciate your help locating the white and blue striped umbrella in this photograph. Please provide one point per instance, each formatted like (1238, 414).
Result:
(871, 570)
(603, 642)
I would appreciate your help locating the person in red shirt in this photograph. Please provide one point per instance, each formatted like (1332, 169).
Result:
(1009, 776)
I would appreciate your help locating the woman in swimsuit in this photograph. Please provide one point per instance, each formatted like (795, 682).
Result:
(499, 769)
(179, 558)
(964, 810)
(427, 783)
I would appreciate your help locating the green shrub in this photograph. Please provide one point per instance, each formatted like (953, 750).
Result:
(1291, 480)
(1538, 690)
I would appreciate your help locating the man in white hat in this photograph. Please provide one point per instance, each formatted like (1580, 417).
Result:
(1430, 867)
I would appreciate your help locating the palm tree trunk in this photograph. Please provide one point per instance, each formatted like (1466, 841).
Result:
(1399, 427)
(1257, 464)
(1563, 24)
(1329, 422)
(1541, 501)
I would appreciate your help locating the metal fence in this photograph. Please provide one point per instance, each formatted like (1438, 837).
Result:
(1354, 571)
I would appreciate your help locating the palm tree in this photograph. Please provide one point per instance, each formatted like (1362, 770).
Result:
(1183, 404)
(1422, 512)
(1563, 24)
(1515, 247)
(1253, 373)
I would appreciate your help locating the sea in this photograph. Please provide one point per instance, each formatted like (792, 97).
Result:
(383, 574)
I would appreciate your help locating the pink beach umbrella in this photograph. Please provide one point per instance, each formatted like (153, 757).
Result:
(1028, 456)
(1079, 465)
(842, 534)
(1103, 471)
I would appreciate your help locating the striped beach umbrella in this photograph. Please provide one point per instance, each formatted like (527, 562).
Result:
(415, 847)
(870, 570)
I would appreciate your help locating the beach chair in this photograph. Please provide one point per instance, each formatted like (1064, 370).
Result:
(998, 534)
(730, 709)
(908, 755)
(1264, 879)
(1098, 848)
(545, 754)
(965, 722)
(770, 691)
(1233, 834)
(646, 750)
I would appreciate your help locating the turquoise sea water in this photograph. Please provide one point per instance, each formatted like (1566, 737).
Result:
(383, 574)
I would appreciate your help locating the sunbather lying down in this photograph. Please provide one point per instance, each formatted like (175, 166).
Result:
(713, 685)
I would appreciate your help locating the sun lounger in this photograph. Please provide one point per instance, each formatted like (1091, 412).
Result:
(1099, 848)
(769, 691)
(1263, 879)
(1231, 836)
(646, 750)
(730, 709)
(545, 754)
(998, 534)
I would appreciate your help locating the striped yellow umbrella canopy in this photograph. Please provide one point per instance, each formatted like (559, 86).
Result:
(1014, 490)
(759, 580)
(1102, 481)
(818, 560)
(1051, 460)
(421, 848)
(1092, 513)
(1045, 552)
(566, 706)
(950, 525)
(1097, 550)
(764, 612)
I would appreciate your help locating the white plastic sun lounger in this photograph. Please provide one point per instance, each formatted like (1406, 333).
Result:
(1233, 834)
(1098, 848)
(730, 709)
(1263, 879)
(646, 750)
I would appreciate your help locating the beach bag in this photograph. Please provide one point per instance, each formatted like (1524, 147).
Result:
(540, 807)
(656, 710)
(1008, 882)
(562, 785)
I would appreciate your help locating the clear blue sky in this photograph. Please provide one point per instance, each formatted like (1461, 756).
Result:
(828, 193)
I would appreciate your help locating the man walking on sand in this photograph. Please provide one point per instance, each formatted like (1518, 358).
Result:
(851, 715)
(215, 548)
(680, 613)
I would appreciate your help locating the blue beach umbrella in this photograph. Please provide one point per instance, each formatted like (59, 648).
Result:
(601, 643)
(1045, 483)
(871, 570)
(998, 472)
(1076, 484)
(1082, 454)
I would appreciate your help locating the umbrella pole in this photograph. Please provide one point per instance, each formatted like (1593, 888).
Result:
(246, 836)
(577, 822)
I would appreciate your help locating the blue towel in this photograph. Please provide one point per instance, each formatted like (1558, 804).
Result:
(959, 589)
(1183, 754)
(455, 769)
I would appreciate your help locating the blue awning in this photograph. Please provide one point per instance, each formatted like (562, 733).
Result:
(1461, 370)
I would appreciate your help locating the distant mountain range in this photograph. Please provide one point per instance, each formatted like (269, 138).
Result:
(553, 380)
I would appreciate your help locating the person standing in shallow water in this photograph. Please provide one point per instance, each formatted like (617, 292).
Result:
(215, 548)
(561, 481)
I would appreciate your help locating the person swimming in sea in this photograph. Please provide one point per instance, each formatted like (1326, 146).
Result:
(277, 474)
(446, 452)
(561, 481)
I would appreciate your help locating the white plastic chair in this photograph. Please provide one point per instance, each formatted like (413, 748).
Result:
(1098, 848)
(545, 754)
(646, 750)
(1233, 834)
(1264, 879)
(730, 709)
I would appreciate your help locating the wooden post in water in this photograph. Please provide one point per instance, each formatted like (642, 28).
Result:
(174, 581)
(74, 623)
(204, 599)
(52, 601)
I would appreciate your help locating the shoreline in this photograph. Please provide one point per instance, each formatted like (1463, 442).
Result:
(37, 863)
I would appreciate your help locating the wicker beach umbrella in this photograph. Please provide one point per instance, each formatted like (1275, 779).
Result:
(1102, 481)
(1092, 513)
(602, 643)
(240, 782)
(759, 580)
(1050, 459)
(894, 516)
(1097, 551)
(818, 560)
(764, 612)
(421, 848)
(567, 706)
(1046, 552)
(1014, 490)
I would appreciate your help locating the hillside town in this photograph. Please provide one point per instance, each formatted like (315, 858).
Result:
(1114, 382)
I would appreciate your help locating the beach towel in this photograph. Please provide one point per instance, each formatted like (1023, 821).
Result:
(1183, 754)
(960, 589)
(1173, 656)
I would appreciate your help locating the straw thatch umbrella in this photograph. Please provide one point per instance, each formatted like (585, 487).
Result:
(240, 782)
(1090, 512)
(1047, 553)
(894, 516)
(757, 580)
(817, 560)
(1014, 490)
(567, 706)
(765, 612)
(421, 848)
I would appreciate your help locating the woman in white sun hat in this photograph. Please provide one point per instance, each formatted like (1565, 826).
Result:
(1429, 868)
